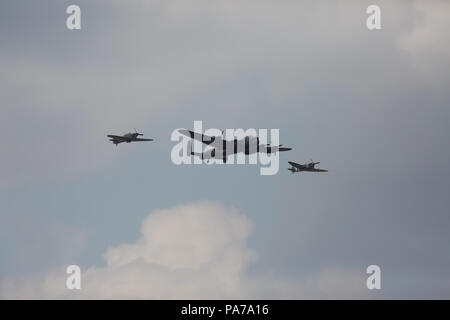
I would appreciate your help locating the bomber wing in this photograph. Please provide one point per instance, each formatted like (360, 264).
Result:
(199, 137)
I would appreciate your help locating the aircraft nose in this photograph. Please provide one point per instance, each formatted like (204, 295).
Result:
(285, 149)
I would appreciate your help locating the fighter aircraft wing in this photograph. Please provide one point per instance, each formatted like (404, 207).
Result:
(139, 139)
(296, 165)
(197, 136)
(318, 170)
(116, 137)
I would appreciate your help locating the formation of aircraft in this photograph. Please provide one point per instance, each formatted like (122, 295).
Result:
(128, 137)
(247, 145)
(242, 145)
(309, 167)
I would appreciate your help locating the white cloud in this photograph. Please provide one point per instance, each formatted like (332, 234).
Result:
(189, 251)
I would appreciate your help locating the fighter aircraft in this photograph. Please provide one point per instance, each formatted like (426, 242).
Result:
(128, 137)
(247, 145)
(310, 167)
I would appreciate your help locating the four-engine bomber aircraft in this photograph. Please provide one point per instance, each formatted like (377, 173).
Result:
(247, 145)
(128, 137)
(310, 167)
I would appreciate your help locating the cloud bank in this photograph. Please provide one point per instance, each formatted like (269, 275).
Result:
(190, 251)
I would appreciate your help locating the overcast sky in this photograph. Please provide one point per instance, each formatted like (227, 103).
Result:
(372, 106)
